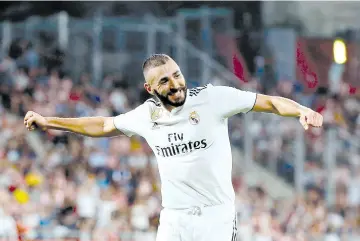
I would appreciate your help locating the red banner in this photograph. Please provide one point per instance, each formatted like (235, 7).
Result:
(314, 59)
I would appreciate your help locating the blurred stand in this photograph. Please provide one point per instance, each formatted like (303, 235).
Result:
(66, 66)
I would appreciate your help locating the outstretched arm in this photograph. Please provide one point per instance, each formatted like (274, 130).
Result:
(289, 108)
(87, 126)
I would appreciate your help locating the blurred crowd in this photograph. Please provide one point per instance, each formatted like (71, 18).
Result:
(54, 184)
(60, 185)
(311, 216)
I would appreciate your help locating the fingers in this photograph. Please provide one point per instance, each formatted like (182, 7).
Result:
(28, 115)
(318, 120)
(310, 119)
(314, 119)
(30, 125)
(304, 123)
(32, 128)
(29, 120)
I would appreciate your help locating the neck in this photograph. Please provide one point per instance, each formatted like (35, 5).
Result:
(169, 107)
(166, 106)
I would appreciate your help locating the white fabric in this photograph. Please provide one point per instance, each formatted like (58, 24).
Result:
(198, 224)
(191, 144)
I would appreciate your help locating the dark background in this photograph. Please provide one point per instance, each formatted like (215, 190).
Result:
(17, 11)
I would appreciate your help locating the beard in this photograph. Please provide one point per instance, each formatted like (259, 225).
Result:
(165, 100)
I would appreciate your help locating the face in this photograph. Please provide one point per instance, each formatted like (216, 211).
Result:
(167, 83)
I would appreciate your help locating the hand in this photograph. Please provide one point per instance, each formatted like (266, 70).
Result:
(33, 120)
(311, 118)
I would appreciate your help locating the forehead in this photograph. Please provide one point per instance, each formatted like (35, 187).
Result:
(156, 73)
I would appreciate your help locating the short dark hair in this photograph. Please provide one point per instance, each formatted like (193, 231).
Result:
(155, 60)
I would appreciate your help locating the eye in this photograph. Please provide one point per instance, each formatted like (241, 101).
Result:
(163, 81)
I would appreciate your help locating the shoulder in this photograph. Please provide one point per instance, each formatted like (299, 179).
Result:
(200, 94)
(143, 111)
(202, 90)
(153, 109)
(152, 103)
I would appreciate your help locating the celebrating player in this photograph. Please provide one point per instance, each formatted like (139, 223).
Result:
(187, 130)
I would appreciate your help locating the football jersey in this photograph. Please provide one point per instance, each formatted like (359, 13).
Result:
(191, 143)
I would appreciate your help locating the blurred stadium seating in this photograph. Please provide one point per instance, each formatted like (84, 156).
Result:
(58, 185)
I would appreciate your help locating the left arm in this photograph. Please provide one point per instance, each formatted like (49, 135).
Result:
(228, 101)
(278, 105)
(288, 108)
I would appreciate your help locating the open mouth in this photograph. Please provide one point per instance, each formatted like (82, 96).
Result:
(177, 93)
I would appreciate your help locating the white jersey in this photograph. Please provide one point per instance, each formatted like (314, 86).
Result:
(191, 144)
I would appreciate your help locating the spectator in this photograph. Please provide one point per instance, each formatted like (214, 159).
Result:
(109, 188)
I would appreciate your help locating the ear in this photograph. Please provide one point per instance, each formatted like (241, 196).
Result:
(148, 88)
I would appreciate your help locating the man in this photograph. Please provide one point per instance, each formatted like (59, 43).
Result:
(188, 132)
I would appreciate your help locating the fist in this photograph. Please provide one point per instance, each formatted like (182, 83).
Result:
(311, 118)
(33, 120)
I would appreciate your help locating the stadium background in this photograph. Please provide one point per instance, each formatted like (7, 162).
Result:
(83, 59)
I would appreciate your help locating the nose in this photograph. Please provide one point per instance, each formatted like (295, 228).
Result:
(174, 84)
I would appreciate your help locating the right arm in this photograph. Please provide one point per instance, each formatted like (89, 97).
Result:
(87, 126)
(128, 124)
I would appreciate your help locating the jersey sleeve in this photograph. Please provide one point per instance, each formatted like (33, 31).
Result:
(228, 101)
(133, 122)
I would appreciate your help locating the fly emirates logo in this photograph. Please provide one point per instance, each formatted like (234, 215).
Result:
(178, 147)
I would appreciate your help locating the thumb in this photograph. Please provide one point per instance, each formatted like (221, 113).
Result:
(303, 122)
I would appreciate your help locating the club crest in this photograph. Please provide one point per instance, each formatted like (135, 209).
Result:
(155, 114)
(194, 118)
